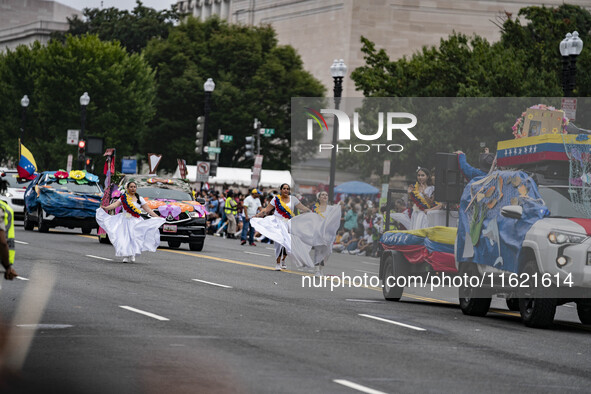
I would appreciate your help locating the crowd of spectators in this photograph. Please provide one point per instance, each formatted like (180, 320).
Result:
(362, 223)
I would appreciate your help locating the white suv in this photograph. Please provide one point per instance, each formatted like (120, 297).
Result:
(15, 193)
(556, 250)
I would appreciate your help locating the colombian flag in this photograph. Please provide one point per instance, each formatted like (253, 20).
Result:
(26, 166)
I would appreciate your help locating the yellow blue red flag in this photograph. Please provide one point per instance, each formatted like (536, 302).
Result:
(26, 165)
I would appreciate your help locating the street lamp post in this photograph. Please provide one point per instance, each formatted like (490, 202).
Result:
(564, 44)
(208, 87)
(570, 48)
(337, 71)
(24, 105)
(84, 100)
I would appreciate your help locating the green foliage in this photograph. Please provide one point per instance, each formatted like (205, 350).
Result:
(121, 88)
(526, 62)
(132, 29)
(254, 77)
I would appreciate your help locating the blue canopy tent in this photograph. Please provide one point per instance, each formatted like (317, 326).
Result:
(356, 187)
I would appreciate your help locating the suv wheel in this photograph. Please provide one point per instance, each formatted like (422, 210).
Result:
(469, 304)
(536, 312)
(42, 225)
(27, 222)
(196, 246)
(86, 230)
(392, 269)
(584, 311)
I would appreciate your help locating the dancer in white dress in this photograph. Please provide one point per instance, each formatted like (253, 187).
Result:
(317, 232)
(128, 232)
(277, 226)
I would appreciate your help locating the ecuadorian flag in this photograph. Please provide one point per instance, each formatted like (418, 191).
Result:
(26, 166)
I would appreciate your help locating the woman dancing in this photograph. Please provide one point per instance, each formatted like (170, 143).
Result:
(277, 226)
(319, 231)
(128, 232)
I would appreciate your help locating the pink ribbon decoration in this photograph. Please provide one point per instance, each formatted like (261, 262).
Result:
(170, 210)
(200, 209)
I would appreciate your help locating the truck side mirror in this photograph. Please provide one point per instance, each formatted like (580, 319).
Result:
(512, 211)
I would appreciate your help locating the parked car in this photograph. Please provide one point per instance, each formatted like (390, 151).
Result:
(173, 200)
(15, 194)
(59, 199)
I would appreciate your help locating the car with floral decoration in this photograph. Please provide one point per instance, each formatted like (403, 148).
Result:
(62, 199)
(173, 200)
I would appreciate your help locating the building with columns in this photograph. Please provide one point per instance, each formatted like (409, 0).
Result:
(23, 22)
(323, 30)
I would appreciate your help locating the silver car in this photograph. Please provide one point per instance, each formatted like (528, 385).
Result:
(15, 193)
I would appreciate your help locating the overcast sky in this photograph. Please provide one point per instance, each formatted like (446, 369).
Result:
(121, 4)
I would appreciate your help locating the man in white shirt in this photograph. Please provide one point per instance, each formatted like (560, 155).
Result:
(252, 205)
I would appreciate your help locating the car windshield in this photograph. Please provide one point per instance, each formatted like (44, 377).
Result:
(13, 181)
(155, 193)
(563, 201)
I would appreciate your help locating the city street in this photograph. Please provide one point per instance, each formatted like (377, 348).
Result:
(222, 320)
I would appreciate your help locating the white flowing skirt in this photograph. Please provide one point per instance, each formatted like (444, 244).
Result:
(129, 235)
(314, 231)
(275, 229)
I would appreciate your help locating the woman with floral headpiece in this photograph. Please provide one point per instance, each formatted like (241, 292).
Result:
(128, 232)
(277, 226)
(421, 196)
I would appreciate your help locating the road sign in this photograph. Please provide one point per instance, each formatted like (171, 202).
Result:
(69, 163)
(256, 171)
(212, 149)
(202, 171)
(569, 106)
(226, 138)
(72, 138)
(267, 132)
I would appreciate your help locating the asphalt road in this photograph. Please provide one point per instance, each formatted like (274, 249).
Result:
(222, 320)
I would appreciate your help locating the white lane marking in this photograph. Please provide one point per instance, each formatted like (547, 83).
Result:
(44, 326)
(393, 322)
(258, 254)
(356, 300)
(367, 262)
(270, 248)
(21, 242)
(144, 313)
(211, 283)
(357, 387)
(98, 257)
(21, 278)
(369, 272)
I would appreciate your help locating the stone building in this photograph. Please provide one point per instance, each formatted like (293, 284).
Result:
(323, 30)
(27, 21)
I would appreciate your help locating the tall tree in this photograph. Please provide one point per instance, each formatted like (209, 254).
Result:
(132, 29)
(121, 87)
(525, 63)
(254, 77)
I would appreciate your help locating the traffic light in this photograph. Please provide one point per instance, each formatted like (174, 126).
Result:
(88, 163)
(213, 168)
(81, 150)
(199, 135)
(249, 147)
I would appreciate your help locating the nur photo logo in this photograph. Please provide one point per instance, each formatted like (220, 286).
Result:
(390, 125)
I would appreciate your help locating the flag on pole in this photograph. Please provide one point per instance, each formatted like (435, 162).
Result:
(26, 165)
